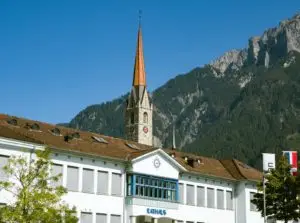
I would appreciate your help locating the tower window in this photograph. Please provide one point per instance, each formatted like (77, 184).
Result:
(132, 118)
(145, 117)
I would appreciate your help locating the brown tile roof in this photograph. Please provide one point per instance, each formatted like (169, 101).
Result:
(241, 171)
(207, 166)
(247, 171)
(123, 150)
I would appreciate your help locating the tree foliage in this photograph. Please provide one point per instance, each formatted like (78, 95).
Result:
(35, 197)
(282, 190)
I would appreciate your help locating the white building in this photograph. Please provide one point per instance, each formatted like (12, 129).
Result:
(113, 180)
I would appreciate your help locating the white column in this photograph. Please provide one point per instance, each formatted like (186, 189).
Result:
(174, 221)
(184, 193)
(64, 176)
(132, 219)
(215, 193)
(205, 196)
(224, 196)
(94, 217)
(80, 179)
(155, 220)
(95, 181)
(109, 183)
(195, 195)
(123, 183)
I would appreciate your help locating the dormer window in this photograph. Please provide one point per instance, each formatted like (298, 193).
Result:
(76, 135)
(55, 131)
(12, 122)
(34, 126)
(199, 161)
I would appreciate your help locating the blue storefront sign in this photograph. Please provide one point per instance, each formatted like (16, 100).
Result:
(156, 211)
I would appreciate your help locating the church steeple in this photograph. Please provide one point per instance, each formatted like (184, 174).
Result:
(139, 109)
(139, 75)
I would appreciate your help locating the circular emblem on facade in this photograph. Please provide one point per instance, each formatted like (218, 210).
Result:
(145, 129)
(156, 162)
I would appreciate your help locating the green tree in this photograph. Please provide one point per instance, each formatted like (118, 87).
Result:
(282, 187)
(36, 198)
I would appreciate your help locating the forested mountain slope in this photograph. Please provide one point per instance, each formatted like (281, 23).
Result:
(242, 104)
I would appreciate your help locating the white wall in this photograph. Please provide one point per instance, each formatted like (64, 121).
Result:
(94, 203)
(146, 166)
(187, 213)
(10, 150)
(251, 216)
(84, 202)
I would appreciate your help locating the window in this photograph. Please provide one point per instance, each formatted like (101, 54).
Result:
(220, 199)
(181, 193)
(86, 217)
(200, 196)
(190, 200)
(102, 185)
(210, 198)
(252, 206)
(132, 118)
(88, 181)
(56, 170)
(145, 118)
(101, 218)
(273, 220)
(229, 200)
(72, 178)
(116, 184)
(115, 219)
(155, 187)
(3, 162)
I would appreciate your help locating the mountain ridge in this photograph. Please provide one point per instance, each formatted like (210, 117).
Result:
(198, 102)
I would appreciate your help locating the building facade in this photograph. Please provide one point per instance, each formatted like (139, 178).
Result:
(112, 180)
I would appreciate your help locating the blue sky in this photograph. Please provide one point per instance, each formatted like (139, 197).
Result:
(57, 57)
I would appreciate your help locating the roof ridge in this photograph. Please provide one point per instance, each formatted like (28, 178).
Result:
(227, 169)
(221, 161)
(236, 165)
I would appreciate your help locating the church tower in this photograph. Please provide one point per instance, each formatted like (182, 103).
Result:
(138, 112)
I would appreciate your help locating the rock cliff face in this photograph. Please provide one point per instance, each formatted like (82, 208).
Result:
(210, 103)
(265, 50)
(231, 60)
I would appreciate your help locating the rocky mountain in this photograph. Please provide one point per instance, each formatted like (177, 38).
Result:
(241, 104)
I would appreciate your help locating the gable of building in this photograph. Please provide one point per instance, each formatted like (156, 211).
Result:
(157, 163)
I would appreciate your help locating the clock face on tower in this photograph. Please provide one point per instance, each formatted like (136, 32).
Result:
(145, 129)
